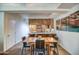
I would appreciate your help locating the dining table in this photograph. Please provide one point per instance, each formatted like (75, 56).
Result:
(48, 42)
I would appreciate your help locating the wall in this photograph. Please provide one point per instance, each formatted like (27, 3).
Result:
(69, 41)
(9, 30)
(14, 29)
(22, 28)
(1, 30)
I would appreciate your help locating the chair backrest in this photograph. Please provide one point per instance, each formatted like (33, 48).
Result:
(40, 44)
(24, 44)
(55, 44)
(56, 38)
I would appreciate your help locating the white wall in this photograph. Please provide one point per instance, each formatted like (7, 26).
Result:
(22, 28)
(1, 30)
(69, 41)
(15, 29)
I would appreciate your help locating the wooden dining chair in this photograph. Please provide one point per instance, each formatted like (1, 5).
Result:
(55, 47)
(24, 47)
(56, 37)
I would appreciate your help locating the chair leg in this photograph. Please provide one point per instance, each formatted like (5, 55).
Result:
(22, 50)
(57, 51)
(43, 52)
(25, 50)
(32, 50)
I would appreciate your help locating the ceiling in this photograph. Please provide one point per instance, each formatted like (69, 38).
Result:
(40, 10)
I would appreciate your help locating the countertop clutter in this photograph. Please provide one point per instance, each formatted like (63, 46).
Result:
(40, 25)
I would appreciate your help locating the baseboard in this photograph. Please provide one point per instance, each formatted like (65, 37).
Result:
(64, 49)
(12, 46)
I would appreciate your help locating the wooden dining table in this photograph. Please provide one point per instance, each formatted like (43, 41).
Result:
(48, 42)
